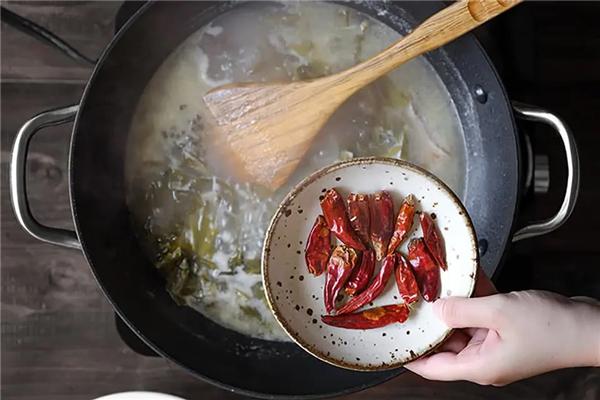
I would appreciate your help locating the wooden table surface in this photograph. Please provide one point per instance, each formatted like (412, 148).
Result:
(58, 331)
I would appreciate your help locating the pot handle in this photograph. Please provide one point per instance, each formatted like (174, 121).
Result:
(18, 186)
(535, 114)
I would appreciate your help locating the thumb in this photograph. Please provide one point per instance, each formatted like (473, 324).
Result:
(460, 312)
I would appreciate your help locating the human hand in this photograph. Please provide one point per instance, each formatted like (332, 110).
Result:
(508, 337)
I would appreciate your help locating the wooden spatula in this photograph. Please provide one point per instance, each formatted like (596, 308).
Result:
(265, 129)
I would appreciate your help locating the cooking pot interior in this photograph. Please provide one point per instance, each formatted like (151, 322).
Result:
(132, 284)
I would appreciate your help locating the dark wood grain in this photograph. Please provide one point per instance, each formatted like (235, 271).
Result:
(58, 335)
(86, 25)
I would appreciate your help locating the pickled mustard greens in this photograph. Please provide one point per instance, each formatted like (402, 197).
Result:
(203, 230)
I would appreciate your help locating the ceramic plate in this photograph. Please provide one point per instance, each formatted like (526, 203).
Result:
(296, 297)
(139, 396)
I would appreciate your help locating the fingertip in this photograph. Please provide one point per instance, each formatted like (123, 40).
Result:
(443, 309)
(464, 312)
(415, 365)
(419, 366)
(436, 366)
(438, 307)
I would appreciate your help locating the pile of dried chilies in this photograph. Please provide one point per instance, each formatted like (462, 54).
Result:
(369, 233)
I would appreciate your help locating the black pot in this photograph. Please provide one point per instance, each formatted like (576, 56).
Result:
(494, 180)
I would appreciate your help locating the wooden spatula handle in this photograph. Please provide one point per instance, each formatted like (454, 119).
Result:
(441, 28)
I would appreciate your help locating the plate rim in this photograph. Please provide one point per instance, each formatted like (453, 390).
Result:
(283, 205)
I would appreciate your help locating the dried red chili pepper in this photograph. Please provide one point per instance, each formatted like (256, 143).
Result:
(361, 275)
(433, 240)
(404, 222)
(358, 211)
(339, 268)
(368, 319)
(318, 247)
(334, 210)
(405, 279)
(375, 288)
(426, 269)
(381, 207)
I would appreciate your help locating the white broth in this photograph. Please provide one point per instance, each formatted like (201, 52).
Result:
(204, 231)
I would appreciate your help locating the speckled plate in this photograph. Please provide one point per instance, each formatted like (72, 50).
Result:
(296, 297)
(139, 396)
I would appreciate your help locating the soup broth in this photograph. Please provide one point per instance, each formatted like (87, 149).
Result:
(203, 230)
